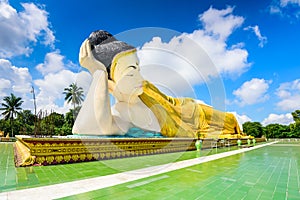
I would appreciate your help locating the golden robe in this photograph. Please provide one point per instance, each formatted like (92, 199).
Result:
(184, 117)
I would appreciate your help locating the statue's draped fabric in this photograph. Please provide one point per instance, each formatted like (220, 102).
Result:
(184, 117)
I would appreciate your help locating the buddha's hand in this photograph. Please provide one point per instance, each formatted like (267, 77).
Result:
(87, 59)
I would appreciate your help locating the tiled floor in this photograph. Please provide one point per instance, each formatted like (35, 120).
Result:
(267, 173)
(7, 167)
(27, 177)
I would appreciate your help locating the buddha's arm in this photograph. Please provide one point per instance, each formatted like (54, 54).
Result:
(95, 117)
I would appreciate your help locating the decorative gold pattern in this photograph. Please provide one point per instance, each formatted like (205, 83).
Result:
(22, 155)
(47, 151)
(40, 160)
(49, 159)
(58, 159)
(67, 158)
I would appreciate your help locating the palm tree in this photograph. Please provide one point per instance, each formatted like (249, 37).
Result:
(11, 107)
(74, 94)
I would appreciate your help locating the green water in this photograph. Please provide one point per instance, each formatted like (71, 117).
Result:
(12, 178)
(270, 172)
(267, 173)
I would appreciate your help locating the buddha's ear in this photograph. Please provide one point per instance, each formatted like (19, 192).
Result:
(111, 86)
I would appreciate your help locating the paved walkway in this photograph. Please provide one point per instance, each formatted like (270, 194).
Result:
(77, 187)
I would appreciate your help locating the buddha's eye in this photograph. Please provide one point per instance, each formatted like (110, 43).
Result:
(134, 67)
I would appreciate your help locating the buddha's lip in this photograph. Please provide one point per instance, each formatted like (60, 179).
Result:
(139, 86)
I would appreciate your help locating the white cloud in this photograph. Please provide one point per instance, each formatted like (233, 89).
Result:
(275, 10)
(53, 63)
(289, 9)
(4, 83)
(289, 104)
(19, 29)
(220, 23)
(4, 86)
(56, 77)
(284, 3)
(51, 87)
(241, 119)
(19, 78)
(252, 92)
(199, 56)
(284, 119)
(289, 94)
(256, 30)
(15, 80)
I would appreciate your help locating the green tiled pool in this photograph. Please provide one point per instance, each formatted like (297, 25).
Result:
(270, 172)
(13, 178)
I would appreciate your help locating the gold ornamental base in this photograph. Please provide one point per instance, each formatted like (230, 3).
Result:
(52, 151)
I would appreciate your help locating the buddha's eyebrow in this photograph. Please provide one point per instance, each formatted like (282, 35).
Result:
(134, 67)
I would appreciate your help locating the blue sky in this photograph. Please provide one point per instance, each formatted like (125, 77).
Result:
(253, 47)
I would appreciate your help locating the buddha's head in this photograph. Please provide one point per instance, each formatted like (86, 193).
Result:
(122, 65)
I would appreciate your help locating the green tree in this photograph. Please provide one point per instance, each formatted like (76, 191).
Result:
(277, 131)
(26, 117)
(69, 118)
(26, 120)
(295, 127)
(51, 123)
(296, 116)
(57, 119)
(64, 130)
(284, 131)
(253, 128)
(294, 130)
(11, 107)
(5, 126)
(270, 131)
(74, 95)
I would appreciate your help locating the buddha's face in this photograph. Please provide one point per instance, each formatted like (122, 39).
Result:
(126, 75)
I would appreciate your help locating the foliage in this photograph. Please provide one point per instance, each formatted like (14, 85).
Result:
(56, 119)
(277, 131)
(74, 94)
(48, 124)
(64, 130)
(26, 117)
(253, 128)
(5, 126)
(296, 116)
(69, 118)
(11, 107)
(294, 130)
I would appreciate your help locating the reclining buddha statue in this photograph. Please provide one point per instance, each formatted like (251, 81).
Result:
(115, 69)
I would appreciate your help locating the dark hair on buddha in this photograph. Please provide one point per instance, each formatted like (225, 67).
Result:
(100, 37)
(105, 46)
